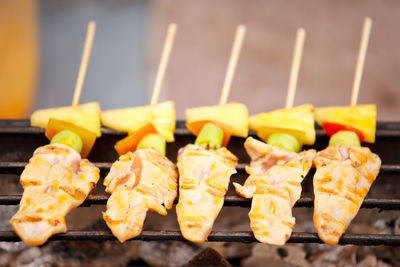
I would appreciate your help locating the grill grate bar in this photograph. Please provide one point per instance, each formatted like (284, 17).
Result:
(217, 236)
(18, 167)
(230, 201)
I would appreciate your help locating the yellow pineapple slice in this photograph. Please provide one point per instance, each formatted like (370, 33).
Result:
(86, 116)
(161, 115)
(235, 115)
(361, 117)
(298, 121)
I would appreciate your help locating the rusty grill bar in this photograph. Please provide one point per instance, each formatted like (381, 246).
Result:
(217, 236)
(230, 201)
(388, 133)
(18, 167)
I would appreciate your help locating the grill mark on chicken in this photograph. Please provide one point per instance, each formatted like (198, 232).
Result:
(54, 222)
(31, 218)
(351, 170)
(275, 181)
(47, 180)
(109, 220)
(74, 192)
(325, 190)
(30, 183)
(271, 191)
(92, 185)
(215, 192)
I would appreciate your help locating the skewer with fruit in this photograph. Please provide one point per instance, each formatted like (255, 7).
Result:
(205, 167)
(345, 170)
(143, 178)
(57, 179)
(277, 169)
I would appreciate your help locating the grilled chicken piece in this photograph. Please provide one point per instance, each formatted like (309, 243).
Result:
(342, 180)
(55, 181)
(204, 177)
(138, 182)
(275, 186)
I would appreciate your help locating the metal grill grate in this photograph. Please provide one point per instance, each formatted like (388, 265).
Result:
(18, 141)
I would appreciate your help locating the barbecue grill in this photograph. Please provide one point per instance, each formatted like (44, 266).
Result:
(18, 141)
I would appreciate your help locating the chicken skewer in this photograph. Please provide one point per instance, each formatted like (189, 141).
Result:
(57, 179)
(205, 167)
(276, 169)
(274, 185)
(345, 170)
(143, 178)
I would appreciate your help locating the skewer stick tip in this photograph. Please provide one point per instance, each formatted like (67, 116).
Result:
(237, 45)
(169, 41)
(241, 28)
(361, 60)
(295, 69)
(91, 30)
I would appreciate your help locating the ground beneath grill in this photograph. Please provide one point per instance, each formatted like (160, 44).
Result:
(175, 253)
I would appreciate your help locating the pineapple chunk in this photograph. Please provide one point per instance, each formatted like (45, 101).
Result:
(299, 119)
(161, 115)
(361, 117)
(235, 115)
(86, 116)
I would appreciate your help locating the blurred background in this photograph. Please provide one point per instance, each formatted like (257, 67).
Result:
(41, 44)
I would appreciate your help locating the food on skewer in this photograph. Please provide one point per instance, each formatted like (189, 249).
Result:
(276, 169)
(85, 115)
(345, 170)
(275, 186)
(360, 119)
(230, 114)
(139, 181)
(297, 121)
(143, 178)
(160, 115)
(206, 166)
(82, 119)
(57, 179)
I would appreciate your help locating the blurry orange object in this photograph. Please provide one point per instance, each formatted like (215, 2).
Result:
(88, 138)
(130, 142)
(196, 126)
(18, 57)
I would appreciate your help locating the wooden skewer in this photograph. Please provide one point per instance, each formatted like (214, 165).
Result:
(237, 45)
(91, 29)
(361, 60)
(169, 41)
(294, 73)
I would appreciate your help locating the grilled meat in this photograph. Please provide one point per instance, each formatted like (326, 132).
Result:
(275, 186)
(55, 181)
(138, 182)
(204, 177)
(342, 180)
